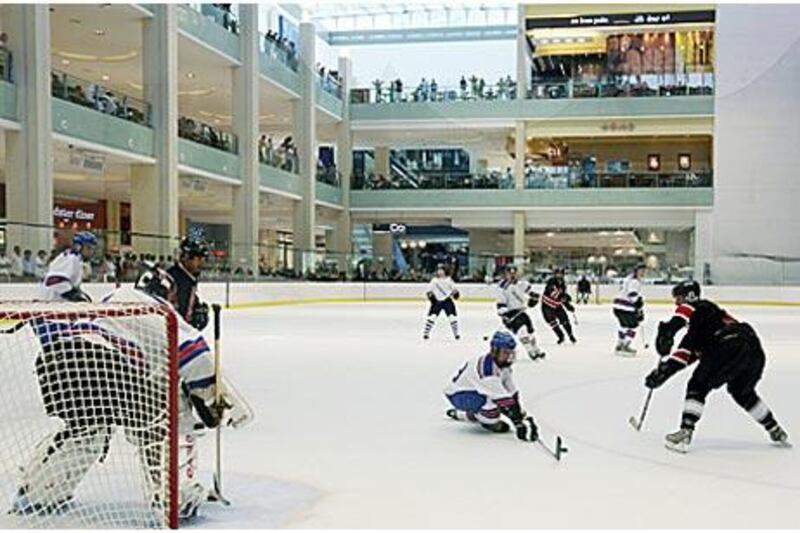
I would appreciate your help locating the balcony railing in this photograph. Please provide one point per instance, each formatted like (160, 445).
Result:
(330, 85)
(88, 94)
(433, 93)
(282, 51)
(279, 158)
(202, 133)
(541, 179)
(328, 175)
(696, 85)
(5, 65)
(225, 18)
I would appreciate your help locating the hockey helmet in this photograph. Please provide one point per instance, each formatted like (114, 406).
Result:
(503, 339)
(689, 289)
(84, 238)
(155, 282)
(193, 247)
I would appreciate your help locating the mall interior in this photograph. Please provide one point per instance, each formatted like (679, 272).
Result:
(377, 140)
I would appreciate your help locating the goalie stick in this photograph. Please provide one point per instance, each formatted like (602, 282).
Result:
(215, 494)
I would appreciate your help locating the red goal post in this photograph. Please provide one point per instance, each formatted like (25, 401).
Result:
(85, 380)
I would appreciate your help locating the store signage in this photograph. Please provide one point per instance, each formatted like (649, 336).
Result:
(618, 126)
(73, 214)
(622, 19)
(397, 229)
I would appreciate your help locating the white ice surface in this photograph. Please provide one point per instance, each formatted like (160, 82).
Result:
(350, 429)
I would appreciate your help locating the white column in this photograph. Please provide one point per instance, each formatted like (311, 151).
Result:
(29, 152)
(305, 124)
(154, 188)
(344, 164)
(520, 151)
(244, 231)
(703, 245)
(522, 54)
(519, 223)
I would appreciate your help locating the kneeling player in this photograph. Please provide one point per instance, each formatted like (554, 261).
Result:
(483, 389)
(442, 293)
(514, 296)
(729, 353)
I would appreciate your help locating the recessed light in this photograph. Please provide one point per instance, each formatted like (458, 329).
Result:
(190, 75)
(65, 61)
(104, 77)
(99, 33)
(75, 20)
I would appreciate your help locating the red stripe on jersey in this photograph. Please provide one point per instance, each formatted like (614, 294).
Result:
(683, 356)
(685, 311)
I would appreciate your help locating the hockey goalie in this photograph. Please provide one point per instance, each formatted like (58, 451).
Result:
(102, 387)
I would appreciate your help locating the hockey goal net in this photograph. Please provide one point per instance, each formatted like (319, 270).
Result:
(88, 404)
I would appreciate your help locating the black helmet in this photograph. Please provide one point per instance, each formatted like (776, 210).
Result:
(193, 247)
(640, 266)
(155, 282)
(689, 289)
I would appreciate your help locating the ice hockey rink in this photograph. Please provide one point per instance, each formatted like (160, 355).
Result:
(350, 429)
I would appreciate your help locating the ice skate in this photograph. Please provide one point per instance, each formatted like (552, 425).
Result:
(624, 350)
(679, 441)
(536, 355)
(779, 437)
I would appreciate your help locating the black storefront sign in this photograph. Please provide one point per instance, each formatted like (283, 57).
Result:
(621, 19)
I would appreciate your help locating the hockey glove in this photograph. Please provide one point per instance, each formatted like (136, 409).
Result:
(640, 315)
(76, 295)
(200, 316)
(533, 299)
(527, 430)
(506, 319)
(456, 295)
(431, 297)
(661, 374)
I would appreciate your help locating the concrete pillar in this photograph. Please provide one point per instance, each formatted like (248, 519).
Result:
(154, 188)
(305, 124)
(703, 246)
(344, 164)
(29, 151)
(382, 161)
(522, 54)
(520, 151)
(519, 251)
(244, 230)
(113, 237)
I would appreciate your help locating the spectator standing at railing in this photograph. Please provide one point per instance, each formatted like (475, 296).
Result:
(463, 85)
(15, 259)
(434, 89)
(378, 85)
(28, 264)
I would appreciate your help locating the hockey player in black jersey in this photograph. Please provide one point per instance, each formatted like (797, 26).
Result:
(185, 272)
(728, 353)
(555, 304)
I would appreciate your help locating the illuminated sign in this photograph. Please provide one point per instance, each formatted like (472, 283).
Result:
(621, 19)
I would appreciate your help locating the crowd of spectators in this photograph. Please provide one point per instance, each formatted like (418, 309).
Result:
(283, 155)
(5, 58)
(21, 265)
(202, 133)
(282, 48)
(628, 87)
(223, 15)
(472, 88)
(97, 97)
(492, 179)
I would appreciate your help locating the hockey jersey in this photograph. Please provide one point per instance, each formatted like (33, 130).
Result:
(481, 375)
(555, 292)
(629, 298)
(513, 296)
(705, 320)
(64, 274)
(442, 288)
(195, 358)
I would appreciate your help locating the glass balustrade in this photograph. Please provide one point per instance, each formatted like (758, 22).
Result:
(103, 99)
(202, 133)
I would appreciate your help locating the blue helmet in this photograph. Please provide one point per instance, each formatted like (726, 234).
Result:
(503, 339)
(84, 238)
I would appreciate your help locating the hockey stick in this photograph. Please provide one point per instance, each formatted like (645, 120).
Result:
(215, 495)
(637, 424)
(557, 451)
(489, 336)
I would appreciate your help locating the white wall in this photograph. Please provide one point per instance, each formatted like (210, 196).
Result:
(445, 62)
(757, 136)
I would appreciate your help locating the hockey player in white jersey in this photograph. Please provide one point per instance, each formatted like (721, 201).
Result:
(65, 273)
(46, 487)
(442, 294)
(629, 310)
(483, 389)
(514, 296)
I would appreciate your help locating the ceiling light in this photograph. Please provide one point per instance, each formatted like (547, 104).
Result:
(99, 33)
(65, 61)
(550, 234)
(104, 77)
(190, 75)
